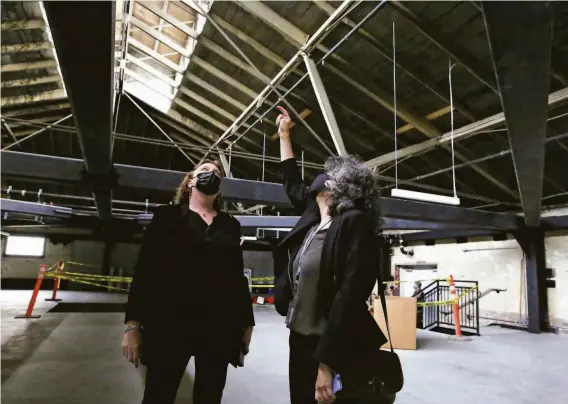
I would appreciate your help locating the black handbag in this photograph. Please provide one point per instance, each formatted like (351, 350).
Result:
(377, 378)
(389, 377)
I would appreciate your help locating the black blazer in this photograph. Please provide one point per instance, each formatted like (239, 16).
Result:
(349, 267)
(172, 284)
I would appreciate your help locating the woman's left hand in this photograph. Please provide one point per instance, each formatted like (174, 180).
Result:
(247, 336)
(324, 391)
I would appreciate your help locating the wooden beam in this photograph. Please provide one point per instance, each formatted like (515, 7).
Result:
(29, 99)
(32, 81)
(170, 19)
(22, 25)
(215, 91)
(157, 56)
(160, 36)
(429, 31)
(431, 116)
(18, 67)
(203, 101)
(406, 66)
(208, 67)
(35, 110)
(26, 47)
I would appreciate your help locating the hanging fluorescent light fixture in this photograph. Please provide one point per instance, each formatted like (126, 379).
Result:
(423, 196)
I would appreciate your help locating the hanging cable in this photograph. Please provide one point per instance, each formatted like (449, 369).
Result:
(230, 158)
(394, 97)
(263, 156)
(303, 168)
(452, 128)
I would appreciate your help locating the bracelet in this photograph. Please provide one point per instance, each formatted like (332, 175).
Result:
(130, 327)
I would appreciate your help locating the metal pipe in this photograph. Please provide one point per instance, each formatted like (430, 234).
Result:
(14, 139)
(24, 192)
(353, 30)
(37, 124)
(313, 41)
(481, 159)
(37, 132)
(242, 154)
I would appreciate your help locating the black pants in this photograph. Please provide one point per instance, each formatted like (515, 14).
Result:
(167, 363)
(303, 368)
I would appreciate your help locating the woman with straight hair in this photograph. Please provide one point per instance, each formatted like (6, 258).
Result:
(189, 296)
(333, 265)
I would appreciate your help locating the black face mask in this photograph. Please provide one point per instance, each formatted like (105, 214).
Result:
(318, 185)
(208, 183)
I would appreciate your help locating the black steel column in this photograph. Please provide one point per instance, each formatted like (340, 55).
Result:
(107, 257)
(84, 38)
(520, 38)
(531, 241)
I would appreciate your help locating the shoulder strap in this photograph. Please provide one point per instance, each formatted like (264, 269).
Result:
(381, 290)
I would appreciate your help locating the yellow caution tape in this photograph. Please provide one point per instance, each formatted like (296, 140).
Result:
(72, 279)
(99, 277)
(267, 278)
(448, 302)
(81, 264)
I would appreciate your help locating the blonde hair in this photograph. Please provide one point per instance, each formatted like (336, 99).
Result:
(183, 191)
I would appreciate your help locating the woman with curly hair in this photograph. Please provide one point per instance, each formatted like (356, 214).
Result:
(333, 264)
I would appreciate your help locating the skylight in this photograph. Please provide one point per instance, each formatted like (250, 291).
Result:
(154, 43)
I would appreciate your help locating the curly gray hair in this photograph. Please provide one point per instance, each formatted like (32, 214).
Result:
(352, 185)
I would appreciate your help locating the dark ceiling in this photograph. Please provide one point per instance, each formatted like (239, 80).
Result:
(429, 37)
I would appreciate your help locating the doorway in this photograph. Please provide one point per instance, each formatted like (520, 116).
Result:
(410, 273)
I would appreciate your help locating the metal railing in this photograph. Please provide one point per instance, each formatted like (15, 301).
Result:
(439, 318)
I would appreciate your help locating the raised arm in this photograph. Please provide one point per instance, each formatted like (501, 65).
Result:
(291, 177)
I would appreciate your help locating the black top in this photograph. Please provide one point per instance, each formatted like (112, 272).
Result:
(190, 275)
(349, 267)
(302, 315)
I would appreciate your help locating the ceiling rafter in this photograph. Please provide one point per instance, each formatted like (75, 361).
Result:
(163, 38)
(430, 32)
(26, 47)
(31, 81)
(381, 97)
(31, 98)
(155, 55)
(170, 19)
(22, 25)
(17, 67)
(405, 65)
(35, 110)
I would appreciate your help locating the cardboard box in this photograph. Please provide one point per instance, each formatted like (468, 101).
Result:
(402, 321)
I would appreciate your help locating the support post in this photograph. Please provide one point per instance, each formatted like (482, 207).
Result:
(107, 257)
(325, 105)
(31, 305)
(520, 40)
(531, 241)
(56, 283)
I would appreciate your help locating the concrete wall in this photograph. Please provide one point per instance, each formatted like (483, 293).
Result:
(500, 264)
(261, 263)
(27, 268)
(91, 253)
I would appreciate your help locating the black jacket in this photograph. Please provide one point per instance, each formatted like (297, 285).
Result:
(189, 278)
(349, 267)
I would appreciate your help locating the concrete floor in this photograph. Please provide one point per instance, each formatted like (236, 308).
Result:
(74, 358)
